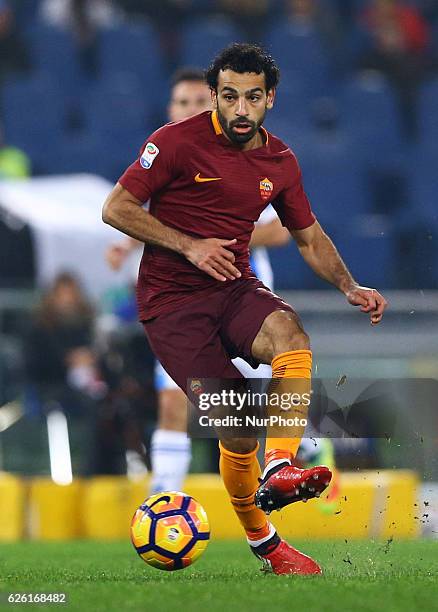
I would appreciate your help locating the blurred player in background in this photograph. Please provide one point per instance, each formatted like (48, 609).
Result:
(170, 445)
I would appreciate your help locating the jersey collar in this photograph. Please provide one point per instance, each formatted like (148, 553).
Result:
(216, 125)
(218, 128)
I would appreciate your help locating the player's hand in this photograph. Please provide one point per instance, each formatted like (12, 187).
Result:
(212, 256)
(369, 300)
(116, 255)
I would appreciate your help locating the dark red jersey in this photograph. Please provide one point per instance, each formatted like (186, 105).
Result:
(201, 184)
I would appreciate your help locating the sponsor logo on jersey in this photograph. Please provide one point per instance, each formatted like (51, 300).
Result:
(148, 156)
(266, 189)
(201, 179)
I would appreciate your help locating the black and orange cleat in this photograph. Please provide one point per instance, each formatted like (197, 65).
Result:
(284, 559)
(289, 484)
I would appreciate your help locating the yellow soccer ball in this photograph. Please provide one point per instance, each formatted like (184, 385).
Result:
(170, 530)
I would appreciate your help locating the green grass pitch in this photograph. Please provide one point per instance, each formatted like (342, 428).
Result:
(358, 576)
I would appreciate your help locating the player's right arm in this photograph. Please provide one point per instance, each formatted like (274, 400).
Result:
(125, 212)
(160, 163)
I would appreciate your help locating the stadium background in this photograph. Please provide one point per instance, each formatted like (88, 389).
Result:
(80, 92)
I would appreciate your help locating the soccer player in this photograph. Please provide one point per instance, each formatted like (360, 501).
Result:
(208, 179)
(170, 445)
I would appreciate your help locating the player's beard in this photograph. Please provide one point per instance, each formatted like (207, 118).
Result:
(235, 137)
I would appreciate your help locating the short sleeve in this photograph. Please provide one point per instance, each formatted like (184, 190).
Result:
(292, 204)
(155, 167)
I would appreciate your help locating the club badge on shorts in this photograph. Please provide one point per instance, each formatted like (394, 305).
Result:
(148, 156)
(196, 387)
(266, 189)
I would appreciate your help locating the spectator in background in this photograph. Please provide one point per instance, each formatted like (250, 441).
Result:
(71, 13)
(315, 15)
(60, 353)
(13, 53)
(60, 363)
(167, 16)
(83, 18)
(63, 368)
(398, 46)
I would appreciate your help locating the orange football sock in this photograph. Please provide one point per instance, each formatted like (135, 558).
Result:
(240, 474)
(296, 365)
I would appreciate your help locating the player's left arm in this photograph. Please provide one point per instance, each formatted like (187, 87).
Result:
(270, 234)
(322, 256)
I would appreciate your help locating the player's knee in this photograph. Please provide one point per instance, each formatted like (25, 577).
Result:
(281, 332)
(241, 446)
(297, 342)
(288, 334)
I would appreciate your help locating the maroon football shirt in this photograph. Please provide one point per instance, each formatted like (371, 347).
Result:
(201, 184)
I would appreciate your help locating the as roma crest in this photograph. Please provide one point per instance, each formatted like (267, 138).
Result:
(266, 189)
(196, 387)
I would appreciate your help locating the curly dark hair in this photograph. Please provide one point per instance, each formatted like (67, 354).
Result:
(242, 57)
